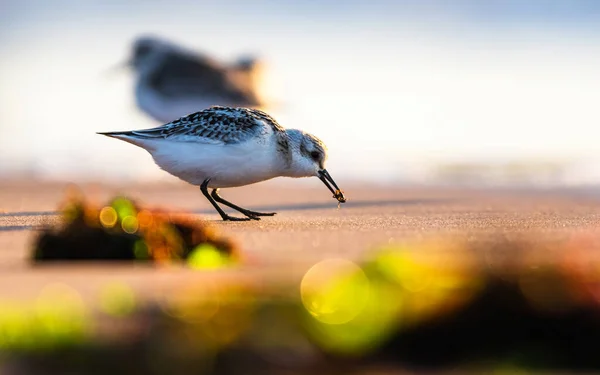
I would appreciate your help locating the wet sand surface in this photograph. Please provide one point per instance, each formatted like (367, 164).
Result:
(309, 227)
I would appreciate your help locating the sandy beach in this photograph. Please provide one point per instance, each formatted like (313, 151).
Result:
(278, 251)
(309, 226)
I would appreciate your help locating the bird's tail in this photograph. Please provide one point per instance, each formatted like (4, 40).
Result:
(127, 136)
(116, 134)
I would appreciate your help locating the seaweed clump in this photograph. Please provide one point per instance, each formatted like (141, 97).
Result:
(123, 230)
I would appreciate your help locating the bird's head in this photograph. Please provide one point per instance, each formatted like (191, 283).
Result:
(146, 50)
(145, 54)
(309, 155)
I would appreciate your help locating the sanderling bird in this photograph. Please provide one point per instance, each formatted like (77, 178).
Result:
(173, 81)
(222, 147)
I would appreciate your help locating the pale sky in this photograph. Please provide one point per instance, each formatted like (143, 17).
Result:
(389, 88)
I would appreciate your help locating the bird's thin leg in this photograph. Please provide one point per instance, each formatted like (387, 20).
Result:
(249, 213)
(224, 216)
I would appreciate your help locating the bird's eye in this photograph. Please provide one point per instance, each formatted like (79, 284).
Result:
(315, 155)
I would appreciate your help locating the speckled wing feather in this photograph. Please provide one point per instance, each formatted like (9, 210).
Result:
(216, 125)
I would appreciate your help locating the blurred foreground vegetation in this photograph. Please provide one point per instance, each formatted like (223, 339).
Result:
(495, 304)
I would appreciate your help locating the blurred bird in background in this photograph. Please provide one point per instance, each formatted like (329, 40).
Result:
(173, 81)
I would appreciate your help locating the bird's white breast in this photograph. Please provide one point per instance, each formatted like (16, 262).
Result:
(226, 165)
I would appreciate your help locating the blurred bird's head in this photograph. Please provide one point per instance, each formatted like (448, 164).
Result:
(147, 50)
(146, 54)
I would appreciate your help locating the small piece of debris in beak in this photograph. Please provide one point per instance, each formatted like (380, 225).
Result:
(339, 195)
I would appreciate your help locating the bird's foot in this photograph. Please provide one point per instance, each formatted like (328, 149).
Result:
(233, 218)
(255, 213)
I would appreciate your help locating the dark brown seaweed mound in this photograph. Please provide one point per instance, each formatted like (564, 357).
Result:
(123, 230)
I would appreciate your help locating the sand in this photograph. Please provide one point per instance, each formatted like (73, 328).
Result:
(309, 227)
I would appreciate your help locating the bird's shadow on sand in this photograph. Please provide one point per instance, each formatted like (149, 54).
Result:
(267, 208)
(326, 205)
(14, 228)
(28, 213)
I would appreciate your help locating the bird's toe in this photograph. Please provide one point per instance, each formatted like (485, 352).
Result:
(233, 218)
(254, 213)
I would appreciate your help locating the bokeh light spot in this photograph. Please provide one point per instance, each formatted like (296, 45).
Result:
(129, 224)
(206, 256)
(335, 291)
(57, 296)
(117, 299)
(124, 208)
(401, 267)
(61, 313)
(108, 217)
(144, 218)
(140, 250)
(193, 304)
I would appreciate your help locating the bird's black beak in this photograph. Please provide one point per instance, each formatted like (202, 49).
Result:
(127, 64)
(118, 68)
(328, 181)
